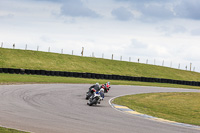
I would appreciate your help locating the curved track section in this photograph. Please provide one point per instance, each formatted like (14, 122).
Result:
(62, 108)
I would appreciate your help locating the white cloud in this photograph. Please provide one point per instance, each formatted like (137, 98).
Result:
(76, 8)
(171, 30)
(119, 27)
(195, 32)
(157, 10)
(188, 9)
(122, 13)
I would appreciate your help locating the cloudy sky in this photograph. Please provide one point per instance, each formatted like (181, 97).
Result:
(153, 30)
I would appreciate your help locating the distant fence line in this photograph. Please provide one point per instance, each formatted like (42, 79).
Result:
(190, 68)
(96, 76)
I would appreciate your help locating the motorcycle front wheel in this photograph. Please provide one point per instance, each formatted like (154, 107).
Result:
(93, 101)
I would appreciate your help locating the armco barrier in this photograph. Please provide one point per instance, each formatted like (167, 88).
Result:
(80, 75)
(5, 70)
(114, 77)
(32, 72)
(42, 72)
(101, 76)
(22, 71)
(66, 74)
(52, 73)
(37, 72)
(74, 74)
(11, 71)
(1, 70)
(105, 76)
(96, 76)
(47, 73)
(61, 73)
(196, 84)
(27, 71)
(88, 75)
(56, 73)
(93, 75)
(84, 75)
(16, 71)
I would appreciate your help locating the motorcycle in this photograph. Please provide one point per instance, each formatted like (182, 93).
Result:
(89, 93)
(106, 88)
(96, 97)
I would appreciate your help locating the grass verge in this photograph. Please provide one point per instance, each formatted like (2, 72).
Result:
(180, 106)
(7, 130)
(20, 79)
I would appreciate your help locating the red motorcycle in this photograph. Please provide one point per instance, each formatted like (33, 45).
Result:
(106, 87)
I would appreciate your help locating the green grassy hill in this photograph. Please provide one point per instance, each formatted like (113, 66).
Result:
(13, 58)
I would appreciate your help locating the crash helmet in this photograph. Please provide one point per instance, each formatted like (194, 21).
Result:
(97, 84)
(103, 86)
(108, 84)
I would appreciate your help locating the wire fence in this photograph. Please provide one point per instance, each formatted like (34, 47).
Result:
(136, 60)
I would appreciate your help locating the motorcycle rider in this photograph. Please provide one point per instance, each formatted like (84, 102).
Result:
(93, 88)
(106, 86)
(96, 87)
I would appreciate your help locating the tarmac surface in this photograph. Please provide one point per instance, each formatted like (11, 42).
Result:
(62, 108)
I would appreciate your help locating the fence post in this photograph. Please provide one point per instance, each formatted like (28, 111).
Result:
(112, 56)
(147, 61)
(26, 47)
(179, 66)
(37, 48)
(163, 63)
(121, 58)
(49, 49)
(61, 51)
(13, 46)
(2, 45)
(154, 61)
(190, 66)
(82, 51)
(138, 60)
(102, 55)
(72, 52)
(129, 59)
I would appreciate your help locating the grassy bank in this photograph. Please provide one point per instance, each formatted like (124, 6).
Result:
(180, 107)
(27, 59)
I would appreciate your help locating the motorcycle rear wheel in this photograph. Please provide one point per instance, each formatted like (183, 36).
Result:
(88, 95)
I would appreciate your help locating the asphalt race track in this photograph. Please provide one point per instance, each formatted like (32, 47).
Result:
(62, 108)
